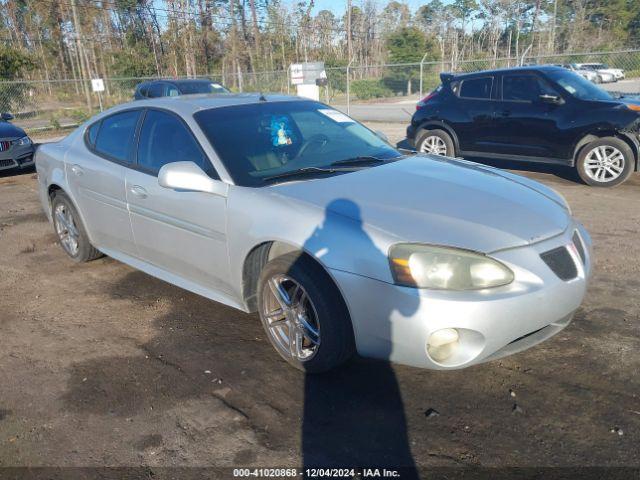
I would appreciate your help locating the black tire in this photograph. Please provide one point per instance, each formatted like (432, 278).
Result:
(608, 181)
(337, 344)
(446, 138)
(85, 251)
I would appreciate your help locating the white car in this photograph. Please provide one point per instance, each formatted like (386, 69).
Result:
(604, 71)
(590, 75)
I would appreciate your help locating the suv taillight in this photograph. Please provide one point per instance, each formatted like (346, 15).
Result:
(424, 101)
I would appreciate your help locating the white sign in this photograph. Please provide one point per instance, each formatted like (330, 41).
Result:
(336, 116)
(97, 85)
(297, 74)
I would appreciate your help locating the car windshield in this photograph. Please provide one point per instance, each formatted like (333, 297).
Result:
(578, 86)
(263, 142)
(188, 88)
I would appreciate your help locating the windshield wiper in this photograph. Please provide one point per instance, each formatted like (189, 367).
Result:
(307, 171)
(359, 160)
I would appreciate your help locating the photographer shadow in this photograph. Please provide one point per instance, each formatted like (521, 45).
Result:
(354, 416)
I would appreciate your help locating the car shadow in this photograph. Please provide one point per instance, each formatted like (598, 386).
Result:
(565, 173)
(14, 172)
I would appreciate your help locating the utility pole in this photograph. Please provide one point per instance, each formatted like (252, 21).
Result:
(349, 30)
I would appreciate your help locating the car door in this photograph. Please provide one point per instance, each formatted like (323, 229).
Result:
(474, 121)
(96, 168)
(526, 125)
(181, 232)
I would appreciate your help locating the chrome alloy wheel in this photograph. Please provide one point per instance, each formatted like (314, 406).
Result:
(604, 163)
(291, 318)
(433, 144)
(66, 229)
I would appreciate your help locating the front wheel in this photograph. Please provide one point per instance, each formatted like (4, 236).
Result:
(605, 162)
(303, 314)
(435, 142)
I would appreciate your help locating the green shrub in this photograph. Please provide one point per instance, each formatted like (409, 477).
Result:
(366, 89)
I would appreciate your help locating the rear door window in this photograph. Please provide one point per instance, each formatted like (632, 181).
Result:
(476, 88)
(115, 137)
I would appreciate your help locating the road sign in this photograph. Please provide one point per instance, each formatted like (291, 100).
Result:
(97, 85)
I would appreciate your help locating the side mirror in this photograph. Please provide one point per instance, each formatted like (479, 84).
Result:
(551, 99)
(188, 176)
(6, 116)
(381, 136)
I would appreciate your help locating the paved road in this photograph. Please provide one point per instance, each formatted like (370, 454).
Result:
(398, 112)
(402, 112)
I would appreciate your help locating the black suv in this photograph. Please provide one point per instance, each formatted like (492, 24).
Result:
(535, 114)
(174, 88)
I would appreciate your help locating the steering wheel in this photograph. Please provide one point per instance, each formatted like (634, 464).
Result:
(318, 138)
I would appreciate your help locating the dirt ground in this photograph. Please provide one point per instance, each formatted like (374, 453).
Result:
(101, 365)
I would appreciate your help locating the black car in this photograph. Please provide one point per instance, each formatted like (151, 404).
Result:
(16, 148)
(174, 88)
(533, 114)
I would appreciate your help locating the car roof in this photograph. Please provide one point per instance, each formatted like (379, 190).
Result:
(533, 68)
(190, 104)
(174, 80)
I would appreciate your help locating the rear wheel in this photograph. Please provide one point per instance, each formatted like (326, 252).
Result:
(71, 233)
(435, 142)
(605, 162)
(304, 315)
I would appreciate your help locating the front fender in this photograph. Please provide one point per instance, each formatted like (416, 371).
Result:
(336, 241)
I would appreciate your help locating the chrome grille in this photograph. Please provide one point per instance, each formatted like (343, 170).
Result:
(560, 262)
(4, 145)
(577, 242)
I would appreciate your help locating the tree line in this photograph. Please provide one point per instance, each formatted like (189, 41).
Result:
(72, 39)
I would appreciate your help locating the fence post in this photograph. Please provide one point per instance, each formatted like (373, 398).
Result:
(348, 88)
(421, 68)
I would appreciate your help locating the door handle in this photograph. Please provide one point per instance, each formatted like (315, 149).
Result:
(77, 170)
(506, 113)
(138, 191)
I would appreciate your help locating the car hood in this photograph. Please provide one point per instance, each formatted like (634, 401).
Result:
(10, 131)
(440, 201)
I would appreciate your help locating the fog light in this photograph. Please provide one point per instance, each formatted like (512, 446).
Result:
(442, 344)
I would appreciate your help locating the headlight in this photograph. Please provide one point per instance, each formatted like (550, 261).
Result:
(426, 266)
(22, 141)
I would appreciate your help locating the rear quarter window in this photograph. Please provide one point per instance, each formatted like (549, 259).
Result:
(476, 88)
(92, 134)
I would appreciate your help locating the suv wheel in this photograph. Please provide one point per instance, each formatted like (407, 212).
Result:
(71, 233)
(605, 162)
(435, 142)
(303, 314)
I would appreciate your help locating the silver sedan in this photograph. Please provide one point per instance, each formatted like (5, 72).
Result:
(340, 242)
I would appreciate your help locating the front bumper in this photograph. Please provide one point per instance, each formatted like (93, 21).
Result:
(394, 323)
(17, 157)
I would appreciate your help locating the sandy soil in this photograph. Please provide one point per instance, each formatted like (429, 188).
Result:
(101, 365)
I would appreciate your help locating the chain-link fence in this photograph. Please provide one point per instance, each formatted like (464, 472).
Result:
(52, 106)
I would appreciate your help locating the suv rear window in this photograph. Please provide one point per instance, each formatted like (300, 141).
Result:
(479, 88)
